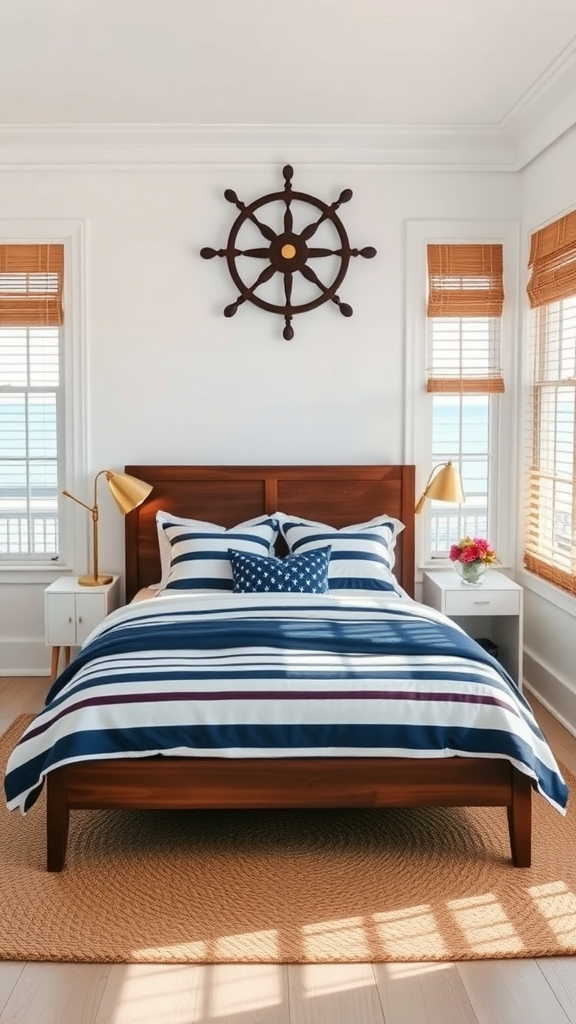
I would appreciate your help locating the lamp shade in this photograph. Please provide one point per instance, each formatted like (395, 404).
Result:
(128, 492)
(444, 484)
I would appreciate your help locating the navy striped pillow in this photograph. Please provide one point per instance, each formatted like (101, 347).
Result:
(199, 555)
(362, 555)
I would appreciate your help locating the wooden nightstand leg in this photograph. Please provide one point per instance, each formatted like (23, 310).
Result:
(54, 663)
(66, 656)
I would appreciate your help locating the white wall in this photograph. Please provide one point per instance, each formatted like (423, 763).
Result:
(170, 380)
(548, 190)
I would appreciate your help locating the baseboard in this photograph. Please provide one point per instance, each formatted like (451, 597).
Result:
(24, 658)
(556, 695)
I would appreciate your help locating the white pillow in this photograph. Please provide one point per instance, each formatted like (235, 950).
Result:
(198, 551)
(362, 555)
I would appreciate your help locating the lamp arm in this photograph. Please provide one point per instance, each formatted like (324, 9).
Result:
(433, 474)
(94, 512)
(422, 499)
(77, 500)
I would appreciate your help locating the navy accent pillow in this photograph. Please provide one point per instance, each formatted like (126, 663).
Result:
(258, 574)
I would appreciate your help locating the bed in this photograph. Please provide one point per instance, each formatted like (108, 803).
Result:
(333, 495)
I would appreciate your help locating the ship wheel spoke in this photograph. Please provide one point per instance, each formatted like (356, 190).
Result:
(312, 276)
(260, 254)
(313, 227)
(266, 274)
(309, 274)
(314, 252)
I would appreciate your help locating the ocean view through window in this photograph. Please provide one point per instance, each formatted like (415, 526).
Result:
(461, 433)
(29, 417)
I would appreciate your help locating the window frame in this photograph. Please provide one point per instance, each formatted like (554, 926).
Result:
(529, 581)
(503, 423)
(539, 319)
(72, 453)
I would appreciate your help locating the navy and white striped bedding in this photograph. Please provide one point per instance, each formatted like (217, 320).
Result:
(280, 675)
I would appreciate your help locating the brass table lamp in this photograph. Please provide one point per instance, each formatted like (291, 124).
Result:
(444, 484)
(128, 492)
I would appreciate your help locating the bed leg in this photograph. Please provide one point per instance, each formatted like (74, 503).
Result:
(520, 820)
(57, 819)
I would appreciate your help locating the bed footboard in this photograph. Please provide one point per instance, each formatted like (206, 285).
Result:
(300, 782)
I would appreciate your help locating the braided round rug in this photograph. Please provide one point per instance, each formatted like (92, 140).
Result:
(314, 886)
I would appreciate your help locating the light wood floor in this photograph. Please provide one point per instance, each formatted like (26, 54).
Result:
(486, 992)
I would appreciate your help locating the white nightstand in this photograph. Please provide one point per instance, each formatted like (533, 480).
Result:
(494, 610)
(72, 611)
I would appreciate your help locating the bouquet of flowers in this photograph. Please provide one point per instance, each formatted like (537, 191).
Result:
(471, 556)
(472, 549)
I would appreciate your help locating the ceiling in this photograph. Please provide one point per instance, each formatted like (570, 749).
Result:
(412, 69)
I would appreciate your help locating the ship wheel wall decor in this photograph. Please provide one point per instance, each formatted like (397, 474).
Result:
(288, 252)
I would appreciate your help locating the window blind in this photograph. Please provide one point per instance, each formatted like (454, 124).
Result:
(552, 262)
(31, 313)
(465, 302)
(550, 549)
(31, 285)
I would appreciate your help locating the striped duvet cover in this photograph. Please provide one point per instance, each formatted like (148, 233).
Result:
(280, 675)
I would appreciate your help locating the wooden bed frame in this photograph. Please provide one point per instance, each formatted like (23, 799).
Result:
(338, 495)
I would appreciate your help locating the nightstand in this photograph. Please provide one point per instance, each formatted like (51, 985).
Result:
(72, 611)
(494, 610)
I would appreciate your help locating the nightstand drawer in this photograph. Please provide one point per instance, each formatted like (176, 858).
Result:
(482, 601)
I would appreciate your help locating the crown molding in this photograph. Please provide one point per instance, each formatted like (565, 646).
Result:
(545, 112)
(168, 147)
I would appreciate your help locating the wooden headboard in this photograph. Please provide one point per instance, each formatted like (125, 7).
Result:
(227, 495)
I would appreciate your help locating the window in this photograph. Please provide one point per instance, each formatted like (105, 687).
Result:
(550, 545)
(31, 318)
(463, 376)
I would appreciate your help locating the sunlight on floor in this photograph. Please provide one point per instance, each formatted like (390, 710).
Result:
(402, 932)
(185, 992)
(557, 903)
(326, 979)
(247, 988)
(399, 972)
(147, 990)
(486, 925)
(346, 938)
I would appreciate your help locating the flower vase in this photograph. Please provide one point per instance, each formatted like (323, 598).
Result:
(472, 574)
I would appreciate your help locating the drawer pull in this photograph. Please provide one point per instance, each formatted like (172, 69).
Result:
(481, 602)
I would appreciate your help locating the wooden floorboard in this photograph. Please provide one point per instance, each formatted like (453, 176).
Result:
(478, 992)
(428, 993)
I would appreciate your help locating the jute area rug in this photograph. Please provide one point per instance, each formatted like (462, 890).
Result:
(286, 886)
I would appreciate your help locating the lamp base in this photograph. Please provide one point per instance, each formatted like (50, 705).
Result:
(94, 581)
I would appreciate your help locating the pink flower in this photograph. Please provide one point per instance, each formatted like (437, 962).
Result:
(470, 554)
(472, 549)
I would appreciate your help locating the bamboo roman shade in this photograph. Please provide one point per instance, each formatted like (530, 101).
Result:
(550, 539)
(553, 262)
(31, 285)
(465, 301)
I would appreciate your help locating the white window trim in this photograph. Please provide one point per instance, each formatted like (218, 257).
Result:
(418, 442)
(542, 588)
(73, 235)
